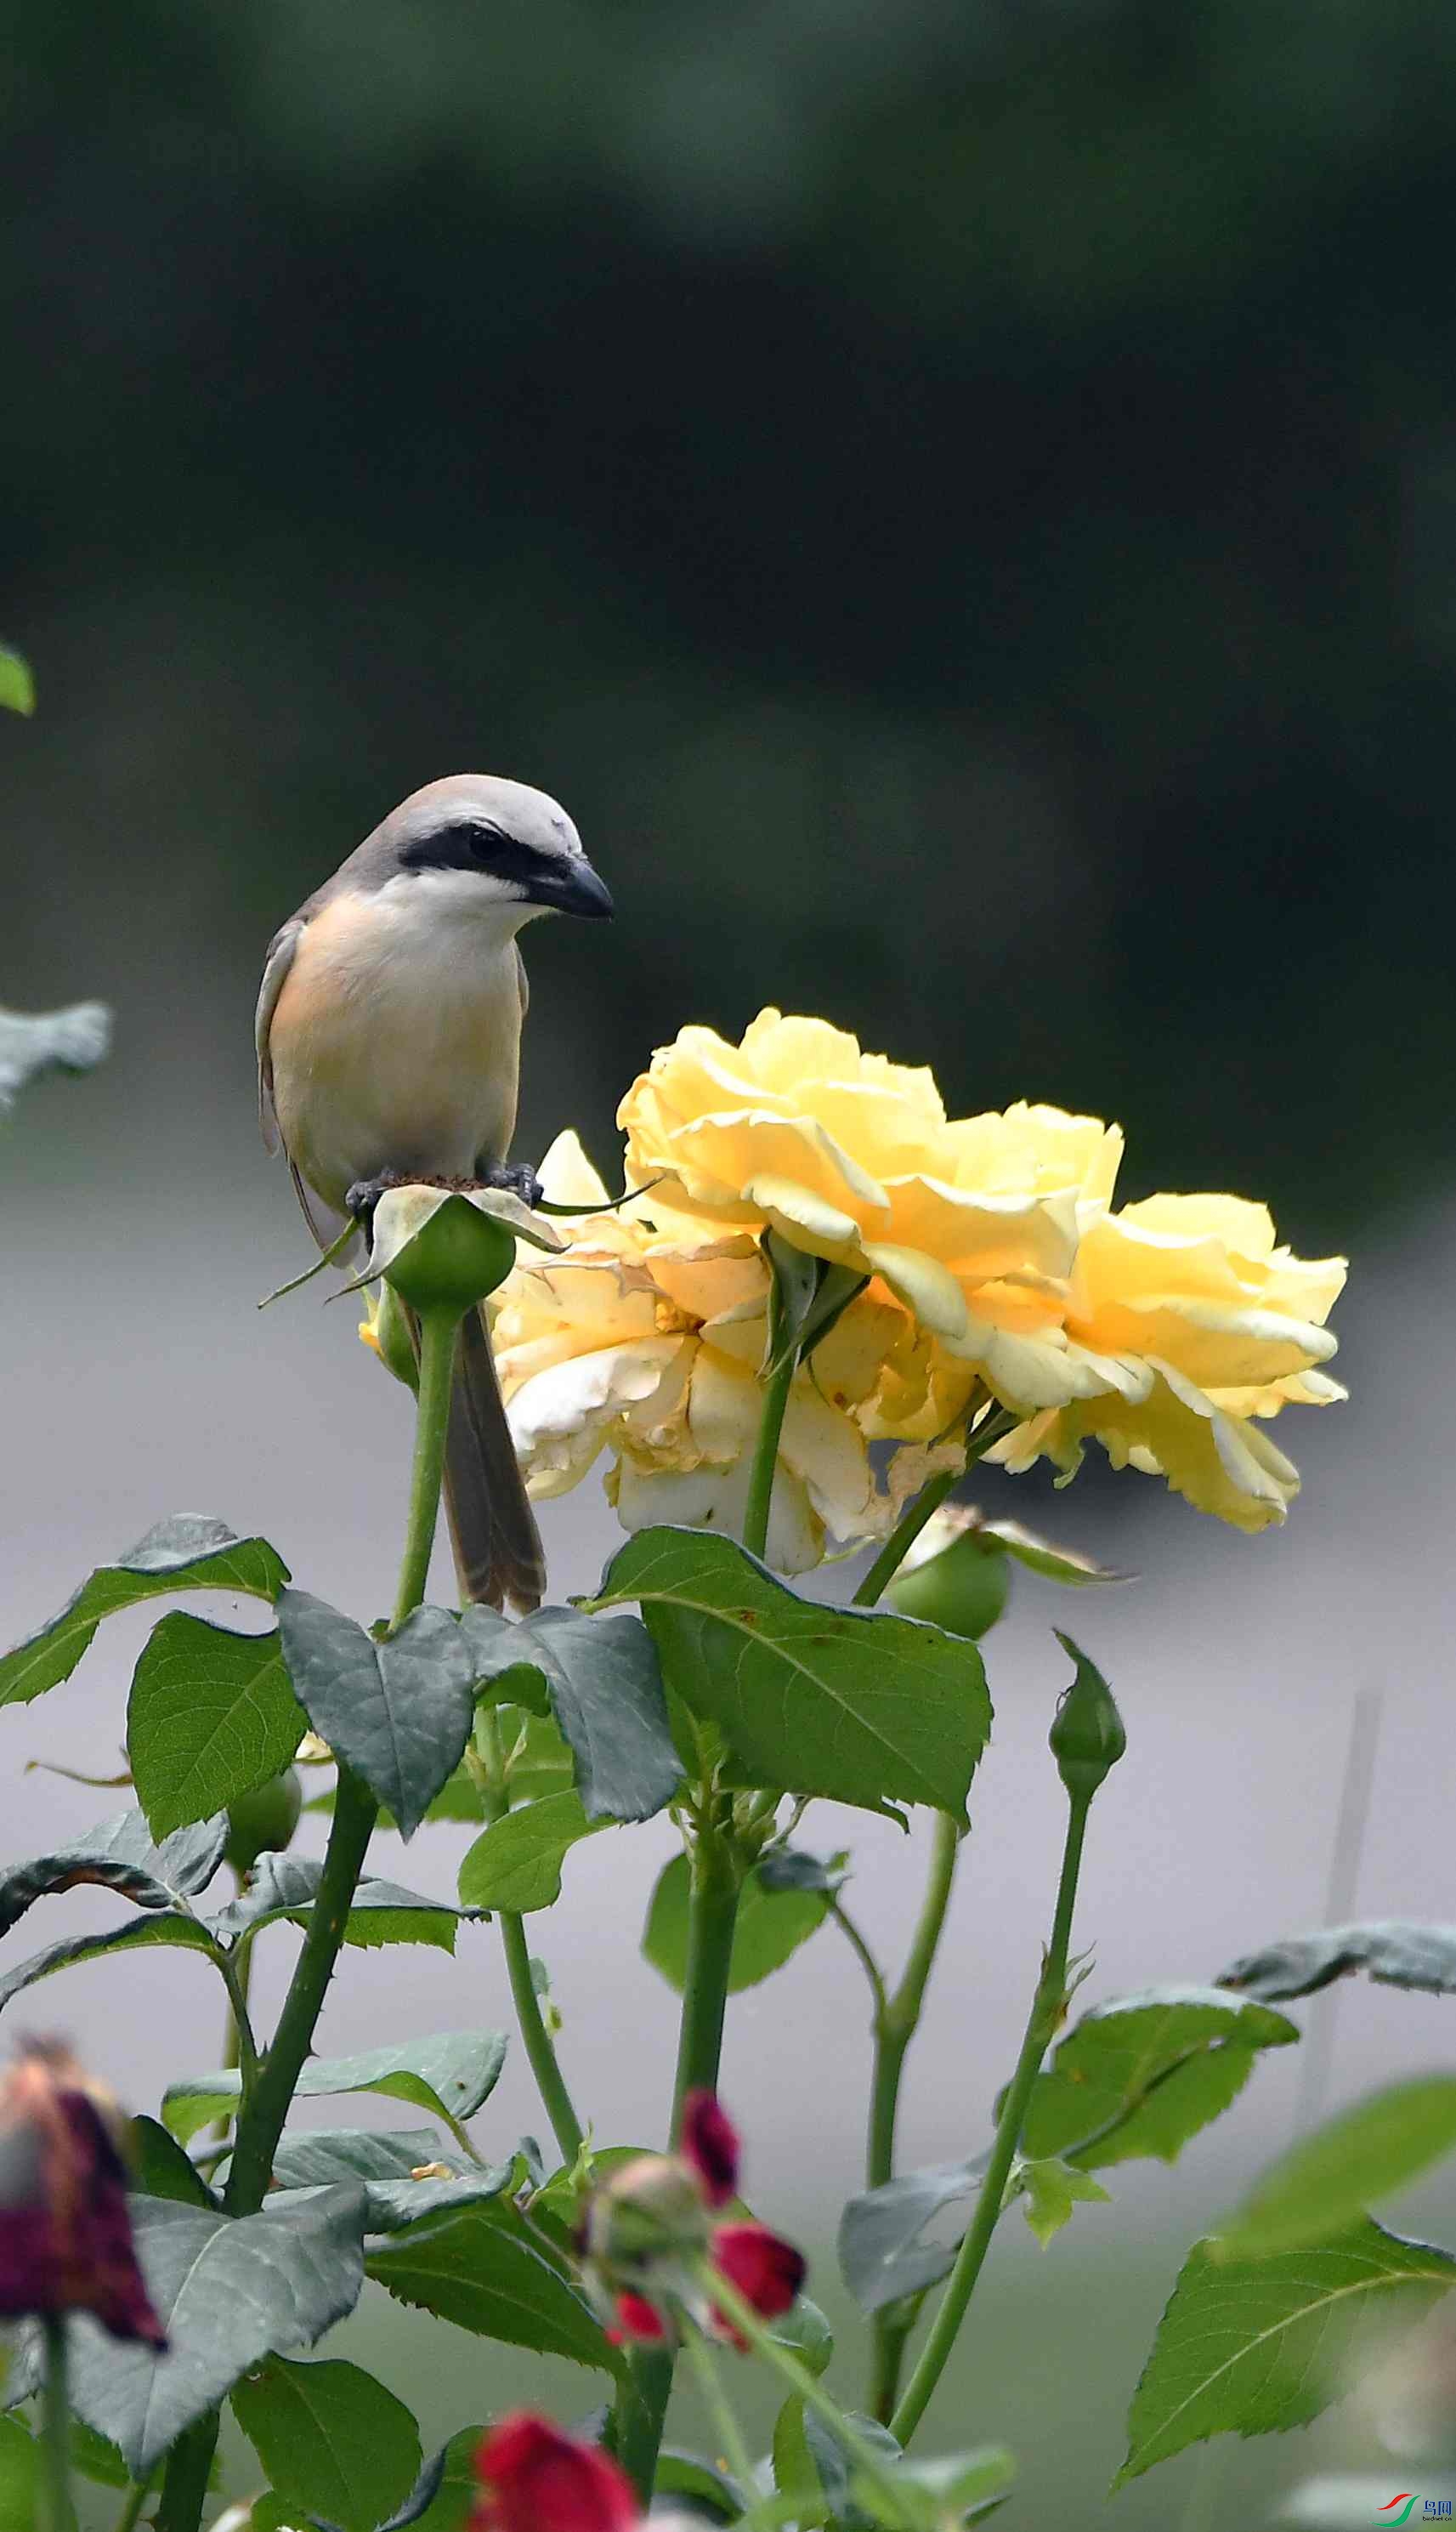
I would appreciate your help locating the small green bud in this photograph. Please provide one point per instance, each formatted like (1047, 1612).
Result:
(385, 1328)
(648, 2207)
(262, 1820)
(1087, 1736)
(438, 1251)
(962, 1587)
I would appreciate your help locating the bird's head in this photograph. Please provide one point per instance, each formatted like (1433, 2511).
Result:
(515, 846)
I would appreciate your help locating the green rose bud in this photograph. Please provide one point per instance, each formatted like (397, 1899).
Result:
(963, 1586)
(444, 1248)
(1087, 1736)
(649, 2208)
(262, 1820)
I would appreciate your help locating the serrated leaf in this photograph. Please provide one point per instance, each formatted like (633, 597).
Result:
(399, 1713)
(96, 2457)
(17, 685)
(788, 1868)
(1042, 1556)
(447, 2489)
(20, 2476)
(1393, 1950)
(384, 2160)
(449, 2075)
(805, 2330)
(229, 2291)
(1325, 2181)
(949, 2489)
(482, 2269)
(331, 2439)
(516, 1863)
(845, 1704)
(706, 2490)
(119, 1854)
(211, 1714)
(1144, 2073)
(186, 1553)
(770, 1926)
(164, 2170)
(1052, 2188)
(143, 1934)
(1252, 2348)
(32, 1043)
(882, 2251)
(285, 1886)
(837, 2469)
(606, 1696)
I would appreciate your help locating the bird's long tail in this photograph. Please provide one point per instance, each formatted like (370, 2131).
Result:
(498, 1552)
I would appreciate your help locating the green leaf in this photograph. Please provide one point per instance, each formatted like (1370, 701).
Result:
(538, 1759)
(1052, 2189)
(951, 2488)
(96, 2457)
(1144, 2073)
(399, 1713)
(183, 1554)
(229, 2291)
(286, 1886)
(706, 2488)
(1391, 1950)
(1251, 2347)
(805, 2331)
(1328, 2179)
(483, 2269)
(333, 2440)
(143, 1934)
(17, 685)
(445, 2494)
(516, 1863)
(857, 1707)
(601, 1682)
(383, 2161)
(119, 1854)
(449, 2075)
(19, 2464)
(771, 1926)
(794, 2473)
(211, 1715)
(836, 2468)
(164, 2170)
(1041, 1556)
(882, 2253)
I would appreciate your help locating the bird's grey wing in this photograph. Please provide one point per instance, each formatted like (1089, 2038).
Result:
(280, 959)
(524, 981)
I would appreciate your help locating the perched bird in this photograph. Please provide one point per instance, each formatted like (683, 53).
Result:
(389, 1047)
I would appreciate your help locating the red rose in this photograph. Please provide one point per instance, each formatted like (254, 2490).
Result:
(535, 2479)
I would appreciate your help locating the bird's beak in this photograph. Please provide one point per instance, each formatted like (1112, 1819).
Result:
(570, 888)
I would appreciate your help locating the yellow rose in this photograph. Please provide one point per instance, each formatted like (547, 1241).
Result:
(646, 1343)
(1215, 1328)
(972, 1225)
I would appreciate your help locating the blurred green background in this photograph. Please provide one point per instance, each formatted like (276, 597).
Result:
(959, 499)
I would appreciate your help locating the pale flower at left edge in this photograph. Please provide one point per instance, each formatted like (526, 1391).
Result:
(645, 1340)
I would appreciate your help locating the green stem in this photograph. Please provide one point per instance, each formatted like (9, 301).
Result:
(993, 1429)
(712, 1916)
(540, 2050)
(638, 2416)
(766, 1457)
(894, 2030)
(437, 1332)
(185, 2486)
(731, 2303)
(57, 2514)
(720, 2409)
(1046, 2008)
(136, 2495)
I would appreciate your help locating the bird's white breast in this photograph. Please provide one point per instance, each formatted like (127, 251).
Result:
(396, 1038)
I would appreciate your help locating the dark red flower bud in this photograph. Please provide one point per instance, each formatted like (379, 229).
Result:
(766, 2270)
(535, 2479)
(65, 2229)
(710, 2146)
(636, 2319)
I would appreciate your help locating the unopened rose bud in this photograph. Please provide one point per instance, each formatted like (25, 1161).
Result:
(264, 1821)
(650, 2208)
(535, 2479)
(1087, 1736)
(437, 1250)
(385, 1329)
(65, 2229)
(959, 1581)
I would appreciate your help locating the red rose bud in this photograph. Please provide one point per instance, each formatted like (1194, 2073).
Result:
(65, 2229)
(710, 2146)
(535, 2479)
(637, 2320)
(766, 2270)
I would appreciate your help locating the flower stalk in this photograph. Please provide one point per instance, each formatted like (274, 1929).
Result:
(57, 2512)
(536, 2039)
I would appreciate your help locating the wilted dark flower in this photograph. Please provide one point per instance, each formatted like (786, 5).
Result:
(535, 2479)
(65, 2231)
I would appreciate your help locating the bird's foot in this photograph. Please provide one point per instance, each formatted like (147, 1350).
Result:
(514, 1178)
(364, 1194)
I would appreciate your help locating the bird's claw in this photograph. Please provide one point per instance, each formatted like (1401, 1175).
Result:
(514, 1178)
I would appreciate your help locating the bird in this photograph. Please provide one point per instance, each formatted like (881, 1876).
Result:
(388, 1041)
